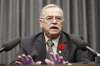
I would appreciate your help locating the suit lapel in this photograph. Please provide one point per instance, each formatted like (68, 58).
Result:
(39, 44)
(42, 45)
(63, 46)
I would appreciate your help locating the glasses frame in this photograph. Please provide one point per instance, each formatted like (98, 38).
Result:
(51, 18)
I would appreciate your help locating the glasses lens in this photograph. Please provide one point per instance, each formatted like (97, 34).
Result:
(57, 18)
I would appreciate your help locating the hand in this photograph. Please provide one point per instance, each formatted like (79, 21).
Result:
(26, 60)
(55, 59)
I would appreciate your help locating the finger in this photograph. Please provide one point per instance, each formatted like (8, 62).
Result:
(53, 56)
(65, 62)
(69, 64)
(19, 58)
(18, 62)
(57, 58)
(49, 61)
(38, 62)
(30, 59)
(27, 59)
(24, 57)
(61, 59)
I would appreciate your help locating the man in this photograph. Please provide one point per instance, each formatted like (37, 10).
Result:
(36, 50)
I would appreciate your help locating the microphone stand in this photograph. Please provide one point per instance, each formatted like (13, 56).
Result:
(92, 50)
(97, 58)
(1, 50)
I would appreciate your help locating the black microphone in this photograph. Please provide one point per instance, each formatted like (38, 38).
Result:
(10, 45)
(76, 39)
(82, 44)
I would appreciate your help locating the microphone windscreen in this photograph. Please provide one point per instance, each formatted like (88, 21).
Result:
(34, 55)
(11, 44)
(78, 41)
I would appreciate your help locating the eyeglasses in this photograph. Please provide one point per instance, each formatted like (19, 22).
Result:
(51, 18)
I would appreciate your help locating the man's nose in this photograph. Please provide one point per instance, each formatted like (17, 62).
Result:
(54, 20)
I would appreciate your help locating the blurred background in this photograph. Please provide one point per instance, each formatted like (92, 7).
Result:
(19, 18)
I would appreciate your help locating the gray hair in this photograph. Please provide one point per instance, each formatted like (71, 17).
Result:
(49, 6)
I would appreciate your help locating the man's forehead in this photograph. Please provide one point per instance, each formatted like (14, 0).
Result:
(53, 12)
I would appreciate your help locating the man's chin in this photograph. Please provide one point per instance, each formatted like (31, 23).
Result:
(54, 33)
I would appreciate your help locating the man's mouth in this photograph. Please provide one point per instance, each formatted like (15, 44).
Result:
(53, 27)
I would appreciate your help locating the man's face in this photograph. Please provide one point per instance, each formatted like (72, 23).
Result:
(52, 21)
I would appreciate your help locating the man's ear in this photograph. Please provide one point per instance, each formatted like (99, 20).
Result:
(40, 22)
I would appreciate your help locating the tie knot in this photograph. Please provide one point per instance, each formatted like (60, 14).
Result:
(50, 43)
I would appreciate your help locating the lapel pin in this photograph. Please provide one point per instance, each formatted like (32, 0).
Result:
(59, 51)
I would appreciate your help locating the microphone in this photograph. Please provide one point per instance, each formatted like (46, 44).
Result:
(10, 45)
(34, 55)
(82, 44)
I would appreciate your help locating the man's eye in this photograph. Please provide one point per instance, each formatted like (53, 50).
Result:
(48, 18)
(59, 18)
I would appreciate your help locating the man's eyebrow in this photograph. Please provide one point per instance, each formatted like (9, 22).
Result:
(53, 16)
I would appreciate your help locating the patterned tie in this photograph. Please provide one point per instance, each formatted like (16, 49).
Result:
(50, 44)
(52, 56)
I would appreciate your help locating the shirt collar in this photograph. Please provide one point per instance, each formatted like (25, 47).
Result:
(55, 41)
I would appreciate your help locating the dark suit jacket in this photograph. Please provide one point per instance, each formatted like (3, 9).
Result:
(36, 47)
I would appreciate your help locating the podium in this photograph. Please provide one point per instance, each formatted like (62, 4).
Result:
(55, 65)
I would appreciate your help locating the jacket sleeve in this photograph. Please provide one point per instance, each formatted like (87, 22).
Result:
(84, 56)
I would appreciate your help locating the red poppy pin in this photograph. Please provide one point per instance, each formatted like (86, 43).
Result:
(61, 46)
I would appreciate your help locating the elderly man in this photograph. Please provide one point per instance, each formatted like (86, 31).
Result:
(52, 45)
